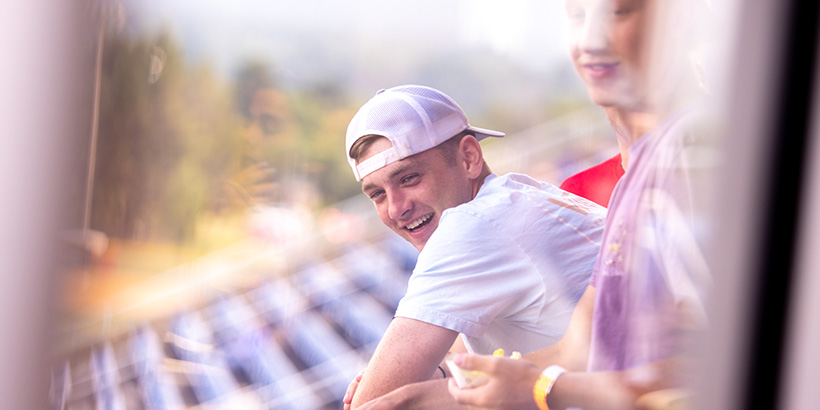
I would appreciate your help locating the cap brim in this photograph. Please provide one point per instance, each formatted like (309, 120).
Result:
(481, 133)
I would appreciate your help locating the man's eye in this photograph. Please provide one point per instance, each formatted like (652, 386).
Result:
(375, 195)
(409, 178)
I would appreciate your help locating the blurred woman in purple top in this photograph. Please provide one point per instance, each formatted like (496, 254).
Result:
(629, 333)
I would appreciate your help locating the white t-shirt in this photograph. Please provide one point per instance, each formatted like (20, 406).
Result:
(507, 268)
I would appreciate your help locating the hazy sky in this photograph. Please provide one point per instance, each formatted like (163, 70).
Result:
(527, 31)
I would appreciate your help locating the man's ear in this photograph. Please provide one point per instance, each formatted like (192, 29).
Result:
(472, 159)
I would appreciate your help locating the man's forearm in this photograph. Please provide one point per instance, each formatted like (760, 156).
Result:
(431, 394)
(409, 352)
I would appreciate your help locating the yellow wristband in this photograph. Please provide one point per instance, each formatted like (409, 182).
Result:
(544, 384)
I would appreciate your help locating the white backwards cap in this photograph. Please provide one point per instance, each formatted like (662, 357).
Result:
(414, 118)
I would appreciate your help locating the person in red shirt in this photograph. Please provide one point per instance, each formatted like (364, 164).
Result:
(596, 182)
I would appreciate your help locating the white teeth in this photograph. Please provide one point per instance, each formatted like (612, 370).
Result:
(417, 222)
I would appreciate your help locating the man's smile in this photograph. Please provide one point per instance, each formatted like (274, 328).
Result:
(419, 223)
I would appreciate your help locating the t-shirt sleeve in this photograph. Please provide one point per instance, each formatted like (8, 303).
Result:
(470, 273)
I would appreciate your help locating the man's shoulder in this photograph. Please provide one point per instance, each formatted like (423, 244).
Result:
(515, 203)
(497, 188)
(493, 202)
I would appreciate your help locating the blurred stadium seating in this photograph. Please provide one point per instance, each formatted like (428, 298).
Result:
(290, 340)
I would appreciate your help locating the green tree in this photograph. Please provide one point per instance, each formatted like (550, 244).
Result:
(166, 138)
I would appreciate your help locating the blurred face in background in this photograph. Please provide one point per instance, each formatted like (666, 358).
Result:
(607, 49)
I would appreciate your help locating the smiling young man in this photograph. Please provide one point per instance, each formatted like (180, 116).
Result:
(503, 259)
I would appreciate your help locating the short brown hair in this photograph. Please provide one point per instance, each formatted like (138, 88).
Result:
(361, 145)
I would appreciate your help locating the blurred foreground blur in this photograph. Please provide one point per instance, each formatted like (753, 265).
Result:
(183, 233)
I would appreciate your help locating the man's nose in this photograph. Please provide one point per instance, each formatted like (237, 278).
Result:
(399, 205)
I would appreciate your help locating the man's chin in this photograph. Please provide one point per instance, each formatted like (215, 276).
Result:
(416, 242)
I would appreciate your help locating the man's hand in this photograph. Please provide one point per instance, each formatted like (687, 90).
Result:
(509, 384)
(351, 390)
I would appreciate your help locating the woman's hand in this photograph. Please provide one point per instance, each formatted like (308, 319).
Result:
(509, 384)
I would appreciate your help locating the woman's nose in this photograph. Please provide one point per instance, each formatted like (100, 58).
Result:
(593, 36)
